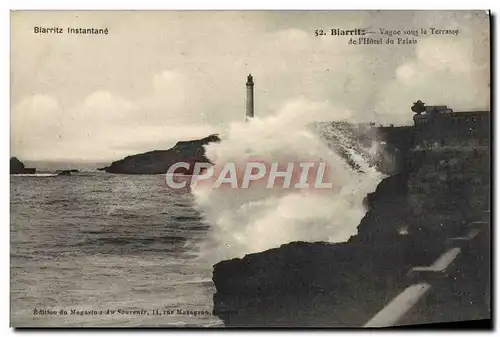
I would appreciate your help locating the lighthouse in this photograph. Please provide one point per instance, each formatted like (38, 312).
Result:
(250, 113)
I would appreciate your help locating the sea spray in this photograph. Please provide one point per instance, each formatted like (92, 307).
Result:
(244, 221)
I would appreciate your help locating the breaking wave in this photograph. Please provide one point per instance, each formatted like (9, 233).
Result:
(244, 221)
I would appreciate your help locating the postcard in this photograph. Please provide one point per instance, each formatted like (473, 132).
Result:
(220, 169)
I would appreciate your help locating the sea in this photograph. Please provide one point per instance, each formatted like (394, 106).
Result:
(102, 250)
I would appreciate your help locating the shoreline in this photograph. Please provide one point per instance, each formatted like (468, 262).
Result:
(434, 198)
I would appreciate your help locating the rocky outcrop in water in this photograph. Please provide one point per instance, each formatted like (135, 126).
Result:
(158, 161)
(17, 167)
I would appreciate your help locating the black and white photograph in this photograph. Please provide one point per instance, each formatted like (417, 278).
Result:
(250, 169)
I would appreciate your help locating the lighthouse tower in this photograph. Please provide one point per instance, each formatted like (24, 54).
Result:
(250, 112)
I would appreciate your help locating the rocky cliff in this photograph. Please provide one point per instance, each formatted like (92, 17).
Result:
(158, 161)
(409, 218)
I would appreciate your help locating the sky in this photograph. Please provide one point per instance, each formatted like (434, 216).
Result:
(159, 77)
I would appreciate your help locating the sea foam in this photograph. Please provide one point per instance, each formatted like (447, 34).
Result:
(244, 221)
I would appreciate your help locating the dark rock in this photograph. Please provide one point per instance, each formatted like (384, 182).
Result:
(321, 284)
(17, 167)
(64, 172)
(345, 284)
(159, 161)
